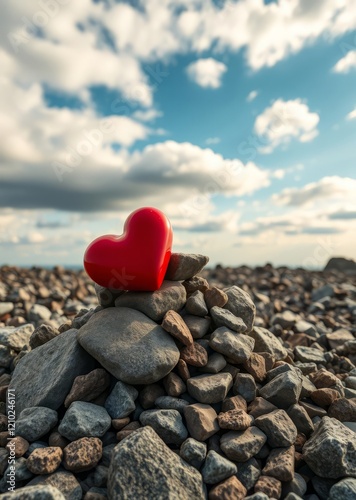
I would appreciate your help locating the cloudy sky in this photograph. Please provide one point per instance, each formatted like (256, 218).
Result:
(236, 118)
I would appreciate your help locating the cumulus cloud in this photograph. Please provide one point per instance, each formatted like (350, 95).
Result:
(206, 72)
(347, 63)
(252, 96)
(284, 121)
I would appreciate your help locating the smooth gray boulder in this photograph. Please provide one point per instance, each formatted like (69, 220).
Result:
(84, 419)
(241, 305)
(183, 266)
(33, 423)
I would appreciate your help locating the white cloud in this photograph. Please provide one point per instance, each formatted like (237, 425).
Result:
(347, 63)
(284, 121)
(212, 140)
(351, 115)
(252, 95)
(206, 72)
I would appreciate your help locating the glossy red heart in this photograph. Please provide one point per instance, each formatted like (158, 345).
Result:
(138, 259)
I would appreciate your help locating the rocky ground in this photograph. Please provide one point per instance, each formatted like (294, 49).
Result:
(239, 383)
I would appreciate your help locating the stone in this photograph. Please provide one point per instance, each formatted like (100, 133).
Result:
(44, 460)
(195, 283)
(280, 464)
(39, 313)
(237, 347)
(95, 493)
(174, 324)
(270, 486)
(195, 304)
(193, 452)
(56, 439)
(331, 450)
(241, 305)
(184, 266)
(284, 390)
(301, 419)
(18, 443)
(88, 387)
(6, 356)
(278, 427)
(248, 473)
(245, 386)
(256, 366)
(235, 420)
(309, 355)
(128, 344)
(223, 317)
(202, 421)
(234, 403)
(324, 397)
(194, 355)
(64, 481)
(313, 411)
(40, 492)
(142, 466)
(107, 296)
(33, 423)
(260, 406)
(217, 468)
(45, 375)
(297, 487)
(174, 385)
(167, 423)
(286, 319)
(82, 454)
(339, 337)
(5, 308)
(149, 394)
(171, 296)
(42, 334)
(229, 489)
(343, 409)
(265, 341)
(84, 419)
(121, 400)
(16, 338)
(345, 489)
(210, 389)
(242, 445)
(324, 291)
(171, 403)
(341, 264)
(216, 363)
(198, 326)
(214, 297)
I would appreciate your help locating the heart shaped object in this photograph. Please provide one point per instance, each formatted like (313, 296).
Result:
(138, 259)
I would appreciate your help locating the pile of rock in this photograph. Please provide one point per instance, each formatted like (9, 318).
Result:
(183, 393)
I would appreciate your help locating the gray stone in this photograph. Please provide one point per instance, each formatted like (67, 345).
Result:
(171, 403)
(297, 486)
(39, 313)
(331, 450)
(22, 473)
(245, 386)
(301, 419)
(5, 308)
(107, 296)
(84, 419)
(64, 481)
(278, 427)
(235, 346)
(121, 401)
(45, 375)
(196, 304)
(265, 341)
(210, 389)
(129, 345)
(198, 326)
(171, 296)
(309, 355)
(241, 305)
(303, 326)
(284, 390)
(167, 423)
(345, 489)
(286, 319)
(6, 356)
(223, 317)
(242, 445)
(193, 452)
(143, 466)
(258, 496)
(184, 266)
(248, 473)
(324, 291)
(40, 492)
(16, 338)
(216, 363)
(33, 423)
(217, 468)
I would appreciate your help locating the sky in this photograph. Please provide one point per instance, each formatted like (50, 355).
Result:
(236, 118)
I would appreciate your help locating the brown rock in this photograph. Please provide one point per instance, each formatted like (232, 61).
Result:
(323, 378)
(44, 460)
(92, 494)
(183, 370)
(56, 439)
(174, 324)
(300, 442)
(343, 409)
(230, 489)
(269, 360)
(82, 454)
(234, 403)
(149, 394)
(256, 366)
(235, 420)
(270, 486)
(324, 397)
(120, 423)
(194, 355)
(127, 430)
(215, 297)
(21, 446)
(202, 421)
(280, 464)
(42, 334)
(260, 406)
(88, 387)
(174, 385)
(194, 284)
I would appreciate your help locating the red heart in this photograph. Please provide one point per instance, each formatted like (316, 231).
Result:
(138, 259)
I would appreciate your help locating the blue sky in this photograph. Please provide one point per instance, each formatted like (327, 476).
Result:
(236, 118)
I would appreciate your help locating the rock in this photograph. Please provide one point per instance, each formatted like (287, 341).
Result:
(242, 445)
(324, 291)
(248, 473)
(184, 266)
(339, 337)
(256, 366)
(142, 466)
(345, 489)
(193, 452)
(195, 283)
(194, 355)
(301, 419)
(174, 385)
(44, 460)
(217, 468)
(235, 420)
(202, 421)
(5, 308)
(121, 400)
(167, 423)
(170, 403)
(223, 317)
(82, 454)
(236, 347)
(64, 481)
(171, 296)
(196, 304)
(331, 450)
(343, 409)
(45, 375)
(174, 324)
(19, 444)
(341, 264)
(241, 305)
(214, 297)
(107, 296)
(245, 386)
(270, 486)
(84, 419)
(280, 464)
(149, 394)
(229, 489)
(324, 397)
(129, 345)
(278, 427)
(265, 341)
(42, 334)
(284, 390)
(198, 326)
(309, 355)
(55, 439)
(216, 363)
(16, 338)
(286, 319)
(6, 356)
(88, 387)
(33, 423)
(34, 493)
(210, 389)
(297, 487)
(260, 406)
(39, 313)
